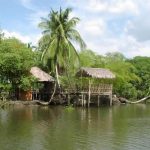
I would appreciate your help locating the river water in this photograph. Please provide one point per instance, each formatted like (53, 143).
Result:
(60, 128)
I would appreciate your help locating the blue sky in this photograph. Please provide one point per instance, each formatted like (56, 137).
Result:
(105, 26)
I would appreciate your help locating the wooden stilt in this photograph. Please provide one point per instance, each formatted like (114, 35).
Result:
(98, 101)
(110, 96)
(32, 95)
(68, 99)
(37, 95)
(82, 100)
(89, 94)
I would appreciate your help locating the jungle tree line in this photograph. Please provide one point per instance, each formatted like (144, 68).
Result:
(57, 55)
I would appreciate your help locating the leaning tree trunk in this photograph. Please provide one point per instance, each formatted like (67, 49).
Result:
(139, 101)
(57, 78)
(56, 70)
(47, 103)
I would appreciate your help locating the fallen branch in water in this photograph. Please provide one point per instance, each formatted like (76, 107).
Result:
(138, 101)
(42, 103)
(47, 103)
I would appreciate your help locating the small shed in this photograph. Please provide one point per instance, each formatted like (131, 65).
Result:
(40, 92)
(99, 88)
(46, 80)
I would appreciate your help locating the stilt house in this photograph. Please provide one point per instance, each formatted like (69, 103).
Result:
(98, 83)
(45, 80)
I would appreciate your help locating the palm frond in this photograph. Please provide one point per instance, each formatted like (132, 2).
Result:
(75, 36)
(58, 34)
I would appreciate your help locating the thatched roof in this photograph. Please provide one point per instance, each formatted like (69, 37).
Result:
(100, 73)
(41, 75)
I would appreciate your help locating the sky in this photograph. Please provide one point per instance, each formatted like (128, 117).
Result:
(105, 25)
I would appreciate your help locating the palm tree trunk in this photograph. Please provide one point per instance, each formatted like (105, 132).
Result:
(57, 78)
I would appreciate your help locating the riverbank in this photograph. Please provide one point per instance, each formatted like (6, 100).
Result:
(115, 101)
(18, 102)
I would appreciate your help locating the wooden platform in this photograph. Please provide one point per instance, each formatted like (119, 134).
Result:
(85, 94)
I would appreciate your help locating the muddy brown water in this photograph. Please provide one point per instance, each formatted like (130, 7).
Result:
(125, 127)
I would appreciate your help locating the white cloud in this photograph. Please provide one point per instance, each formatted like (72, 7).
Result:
(106, 25)
(96, 6)
(93, 27)
(109, 6)
(126, 45)
(124, 6)
(28, 4)
(24, 38)
(139, 27)
(131, 29)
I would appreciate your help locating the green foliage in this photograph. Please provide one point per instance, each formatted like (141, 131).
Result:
(56, 45)
(132, 76)
(15, 63)
(26, 82)
(5, 88)
(142, 65)
(90, 59)
(125, 75)
(119, 65)
(70, 82)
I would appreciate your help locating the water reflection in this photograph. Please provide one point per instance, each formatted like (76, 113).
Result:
(58, 128)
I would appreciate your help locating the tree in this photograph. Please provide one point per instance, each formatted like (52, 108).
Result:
(88, 58)
(142, 65)
(15, 64)
(59, 33)
(125, 74)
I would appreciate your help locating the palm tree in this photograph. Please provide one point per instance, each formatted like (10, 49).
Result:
(57, 46)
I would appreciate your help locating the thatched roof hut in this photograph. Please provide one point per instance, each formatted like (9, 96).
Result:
(98, 88)
(100, 73)
(41, 75)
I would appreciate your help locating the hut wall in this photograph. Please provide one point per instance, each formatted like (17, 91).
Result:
(25, 95)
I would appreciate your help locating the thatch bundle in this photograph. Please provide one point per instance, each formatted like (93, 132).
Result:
(41, 75)
(95, 73)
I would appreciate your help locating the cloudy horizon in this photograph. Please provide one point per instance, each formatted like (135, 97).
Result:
(105, 26)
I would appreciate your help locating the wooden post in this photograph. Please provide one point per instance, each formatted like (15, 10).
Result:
(82, 99)
(68, 99)
(39, 96)
(98, 101)
(32, 95)
(89, 94)
(110, 96)
(36, 97)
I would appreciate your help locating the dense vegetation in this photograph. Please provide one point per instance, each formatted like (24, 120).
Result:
(57, 54)
(124, 69)
(16, 59)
